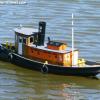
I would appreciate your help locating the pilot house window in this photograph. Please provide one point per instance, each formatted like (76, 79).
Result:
(31, 39)
(24, 40)
(20, 40)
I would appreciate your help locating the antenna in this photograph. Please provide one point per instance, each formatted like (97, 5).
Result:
(72, 39)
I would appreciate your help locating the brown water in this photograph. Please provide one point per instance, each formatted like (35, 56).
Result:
(22, 84)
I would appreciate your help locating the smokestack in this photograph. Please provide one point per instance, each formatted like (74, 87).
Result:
(41, 34)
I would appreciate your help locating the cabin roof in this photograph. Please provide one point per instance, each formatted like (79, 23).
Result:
(25, 31)
(54, 43)
(68, 49)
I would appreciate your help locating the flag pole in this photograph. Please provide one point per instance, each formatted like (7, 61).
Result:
(72, 39)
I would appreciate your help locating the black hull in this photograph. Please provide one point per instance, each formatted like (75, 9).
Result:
(47, 68)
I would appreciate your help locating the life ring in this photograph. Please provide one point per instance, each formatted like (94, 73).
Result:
(44, 69)
(10, 57)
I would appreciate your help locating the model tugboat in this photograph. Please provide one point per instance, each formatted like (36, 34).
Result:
(31, 51)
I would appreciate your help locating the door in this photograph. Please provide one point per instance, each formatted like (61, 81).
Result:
(20, 46)
(75, 58)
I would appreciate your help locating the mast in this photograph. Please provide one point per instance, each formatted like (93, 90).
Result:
(72, 39)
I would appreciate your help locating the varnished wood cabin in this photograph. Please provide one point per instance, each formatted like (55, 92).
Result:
(30, 43)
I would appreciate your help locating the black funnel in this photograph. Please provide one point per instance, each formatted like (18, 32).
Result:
(41, 34)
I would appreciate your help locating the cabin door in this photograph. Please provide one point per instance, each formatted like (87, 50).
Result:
(75, 58)
(20, 46)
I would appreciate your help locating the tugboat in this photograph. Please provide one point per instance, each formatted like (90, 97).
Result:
(31, 51)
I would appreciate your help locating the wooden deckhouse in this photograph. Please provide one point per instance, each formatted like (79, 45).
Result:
(29, 43)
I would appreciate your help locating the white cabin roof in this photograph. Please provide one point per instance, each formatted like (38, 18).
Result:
(26, 31)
